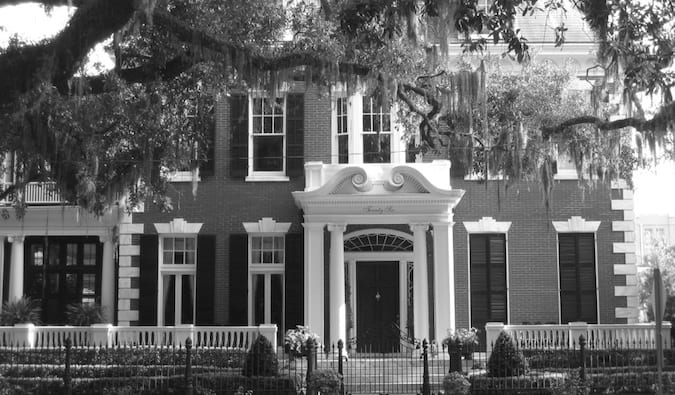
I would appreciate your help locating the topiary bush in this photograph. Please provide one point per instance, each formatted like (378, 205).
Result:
(506, 359)
(456, 383)
(261, 359)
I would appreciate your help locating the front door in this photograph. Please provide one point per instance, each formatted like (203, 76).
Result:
(377, 307)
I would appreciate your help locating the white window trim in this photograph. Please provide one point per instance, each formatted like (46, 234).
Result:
(263, 176)
(576, 225)
(178, 227)
(265, 227)
(397, 144)
(487, 225)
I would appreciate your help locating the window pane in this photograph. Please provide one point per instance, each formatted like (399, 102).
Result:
(187, 300)
(257, 125)
(268, 153)
(88, 284)
(256, 256)
(190, 243)
(343, 148)
(277, 302)
(180, 244)
(169, 297)
(89, 254)
(278, 125)
(37, 254)
(54, 254)
(168, 244)
(256, 242)
(267, 129)
(71, 254)
(258, 291)
(386, 123)
(268, 243)
(257, 106)
(367, 123)
(190, 258)
(168, 258)
(71, 284)
(178, 258)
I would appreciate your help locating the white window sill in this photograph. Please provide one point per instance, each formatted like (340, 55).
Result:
(266, 178)
(182, 176)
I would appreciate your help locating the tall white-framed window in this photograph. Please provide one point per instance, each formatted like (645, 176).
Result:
(266, 268)
(177, 272)
(364, 132)
(267, 136)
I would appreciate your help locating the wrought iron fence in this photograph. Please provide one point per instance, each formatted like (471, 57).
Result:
(420, 369)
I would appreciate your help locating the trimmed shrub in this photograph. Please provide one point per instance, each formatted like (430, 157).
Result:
(21, 311)
(456, 383)
(326, 381)
(84, 314)
(506, 360)
(261, 359)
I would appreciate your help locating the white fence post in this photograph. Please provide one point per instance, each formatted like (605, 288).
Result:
(101, 335)
(577, 329)
(270, 332)
(25, 335)
(492, 330)
(182, 332)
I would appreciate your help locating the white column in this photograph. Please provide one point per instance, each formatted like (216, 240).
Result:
(314, 289)
(338, 307)
(420, 281)
(444, 280)
(16, 268)
(108, 279)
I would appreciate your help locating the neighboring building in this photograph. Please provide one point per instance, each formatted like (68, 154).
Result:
(652, 230)
(313, 214)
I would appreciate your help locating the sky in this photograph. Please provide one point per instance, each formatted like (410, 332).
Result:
(654, 188)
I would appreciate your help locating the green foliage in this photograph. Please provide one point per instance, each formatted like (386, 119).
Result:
(456, 383)
(83, 314)
(295, 340)
(326, 381)
(573, 385)
(21, 311)
(658, 254)
(505, 359)
(261, 359)
(463, 337)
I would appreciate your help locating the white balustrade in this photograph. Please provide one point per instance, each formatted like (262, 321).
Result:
(30, 336)
(598, 336)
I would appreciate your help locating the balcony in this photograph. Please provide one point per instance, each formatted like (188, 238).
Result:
(37, 193)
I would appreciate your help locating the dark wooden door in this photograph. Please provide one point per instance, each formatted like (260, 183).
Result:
(377, 307)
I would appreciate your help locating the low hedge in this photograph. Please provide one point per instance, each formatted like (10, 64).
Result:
(563, 359)
(125, 356)
(525, 382)
(205, 384)
(84, 371)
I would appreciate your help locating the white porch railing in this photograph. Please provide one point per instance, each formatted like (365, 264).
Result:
(38, 193)
(598, 336)
(31, 336)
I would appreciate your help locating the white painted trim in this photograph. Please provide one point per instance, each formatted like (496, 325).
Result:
(378, 255)
(487, 225)
(265, 175)
(178, 226)
(367, 231)
(576, 224)
(183, 176)
(266, 225)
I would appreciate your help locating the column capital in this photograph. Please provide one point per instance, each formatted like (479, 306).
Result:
(415, 227)
(107, 237)
(16, 238)
(337, 227)
(313, 225)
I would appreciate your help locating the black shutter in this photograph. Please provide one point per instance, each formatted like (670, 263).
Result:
(206, 265)
(5, 269)
(239, 279)
(487, 253)
(295, 130)
(147, 302)
(294, 280)
(239, 136)
(208, 124)
(578, 298)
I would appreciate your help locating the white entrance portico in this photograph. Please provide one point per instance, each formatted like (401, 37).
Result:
(417, 196)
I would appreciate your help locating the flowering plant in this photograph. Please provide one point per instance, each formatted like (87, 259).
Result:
(326, 381)
(296, 339)
(462, 337)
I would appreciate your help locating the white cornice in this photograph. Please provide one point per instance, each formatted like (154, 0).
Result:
(267, 225)
(178, 226)
(576, 225)
(487, 225)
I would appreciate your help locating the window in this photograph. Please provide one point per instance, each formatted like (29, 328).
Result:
(177, 271)
(364, 132)
(266, 268)
(62, 271)
(268, 134)
(376, 132)
(488, 279)
(578, 293)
